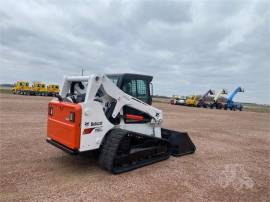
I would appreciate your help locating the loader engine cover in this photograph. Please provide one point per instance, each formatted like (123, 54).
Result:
(64, 123)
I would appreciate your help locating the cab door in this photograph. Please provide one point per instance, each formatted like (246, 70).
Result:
(138, 88)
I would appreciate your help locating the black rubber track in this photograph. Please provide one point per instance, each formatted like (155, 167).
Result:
(109, 150)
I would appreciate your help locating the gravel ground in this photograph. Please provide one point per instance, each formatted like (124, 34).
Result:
(231, 162)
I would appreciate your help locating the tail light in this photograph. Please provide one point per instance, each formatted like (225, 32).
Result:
(72, 116)
(87, 131)
(50, 111)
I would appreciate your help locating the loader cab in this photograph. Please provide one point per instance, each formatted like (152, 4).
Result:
(136, 85)
(22, 83)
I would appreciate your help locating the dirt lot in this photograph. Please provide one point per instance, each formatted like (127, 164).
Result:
(231, 162)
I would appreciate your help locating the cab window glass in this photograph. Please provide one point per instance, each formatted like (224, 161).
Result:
(114, 81)
(141, 90)
(136, 88)
(129, 87)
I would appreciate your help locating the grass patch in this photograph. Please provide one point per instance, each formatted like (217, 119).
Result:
(5, 91)
(256, 108)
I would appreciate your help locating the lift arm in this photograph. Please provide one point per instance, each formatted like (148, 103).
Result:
(211, 92)
(124, 99)
(201, 101)
(108, 88)
(232, 95)
(221, 92)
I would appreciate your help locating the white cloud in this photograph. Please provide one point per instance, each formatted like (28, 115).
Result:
(188, 46)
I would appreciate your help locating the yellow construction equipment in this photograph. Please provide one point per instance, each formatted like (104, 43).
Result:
(38, 88)
(192, 100)
(21, 87)
(52, 90)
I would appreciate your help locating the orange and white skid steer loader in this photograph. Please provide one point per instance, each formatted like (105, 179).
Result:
(113, 115)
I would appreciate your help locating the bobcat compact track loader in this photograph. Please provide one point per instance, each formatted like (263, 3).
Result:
(113, 115)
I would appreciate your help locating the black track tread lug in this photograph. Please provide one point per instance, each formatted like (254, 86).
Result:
(109, 148)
